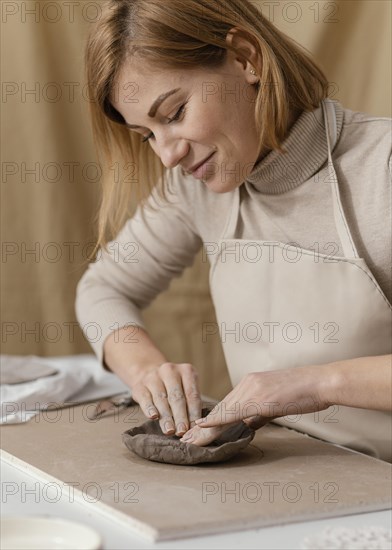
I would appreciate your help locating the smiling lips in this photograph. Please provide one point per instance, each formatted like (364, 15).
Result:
(199, 165)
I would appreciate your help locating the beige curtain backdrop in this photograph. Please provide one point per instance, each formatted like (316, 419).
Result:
(50, 173)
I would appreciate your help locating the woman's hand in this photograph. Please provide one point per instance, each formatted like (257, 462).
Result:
(259, 398)
(169, 392)
(363, 382)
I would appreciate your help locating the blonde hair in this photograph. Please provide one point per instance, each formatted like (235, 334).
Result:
(185, 34)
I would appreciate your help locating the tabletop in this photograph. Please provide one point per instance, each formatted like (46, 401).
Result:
(24, 494)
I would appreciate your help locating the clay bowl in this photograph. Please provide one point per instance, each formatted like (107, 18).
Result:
(148, 441)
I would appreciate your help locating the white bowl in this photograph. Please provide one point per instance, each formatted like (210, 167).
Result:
(46, 533)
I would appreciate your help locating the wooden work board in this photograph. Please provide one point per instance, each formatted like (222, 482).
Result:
(283, 476)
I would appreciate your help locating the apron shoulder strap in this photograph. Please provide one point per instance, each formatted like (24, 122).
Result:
(232, 219)
(342, 227)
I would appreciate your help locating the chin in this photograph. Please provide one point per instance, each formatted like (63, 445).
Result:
(219, 188)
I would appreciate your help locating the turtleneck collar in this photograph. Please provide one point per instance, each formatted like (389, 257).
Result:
(306, 152)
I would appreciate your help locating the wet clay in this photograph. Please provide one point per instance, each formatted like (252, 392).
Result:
(148, 441)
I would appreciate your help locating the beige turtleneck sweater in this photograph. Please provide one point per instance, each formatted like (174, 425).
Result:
(286, 198)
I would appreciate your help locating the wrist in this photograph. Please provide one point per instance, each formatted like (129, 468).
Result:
(329, 384)
(131, 358)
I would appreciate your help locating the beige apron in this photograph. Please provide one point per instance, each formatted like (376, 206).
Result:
(281, 306)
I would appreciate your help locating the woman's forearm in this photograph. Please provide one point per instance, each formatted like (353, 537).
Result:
(130, 351)
(363, 382)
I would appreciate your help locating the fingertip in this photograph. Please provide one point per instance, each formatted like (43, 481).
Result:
(153, 413)
(181, 429)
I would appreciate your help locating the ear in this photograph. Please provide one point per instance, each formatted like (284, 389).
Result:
(246, 53)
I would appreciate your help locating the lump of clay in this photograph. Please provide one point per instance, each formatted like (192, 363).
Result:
(148, 441)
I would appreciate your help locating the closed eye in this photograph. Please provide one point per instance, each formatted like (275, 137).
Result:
(177, 116)
(178, 113)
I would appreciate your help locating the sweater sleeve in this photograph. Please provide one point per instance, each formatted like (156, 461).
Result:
(154, 246)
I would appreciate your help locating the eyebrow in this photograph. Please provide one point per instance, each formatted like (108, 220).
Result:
(155, 106)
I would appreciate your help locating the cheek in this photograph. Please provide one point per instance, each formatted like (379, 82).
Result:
(216, 109)
(204, 131)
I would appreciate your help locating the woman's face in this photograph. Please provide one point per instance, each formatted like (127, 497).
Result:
(211, 115)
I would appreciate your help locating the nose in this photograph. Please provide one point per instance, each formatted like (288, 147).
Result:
(171, 150)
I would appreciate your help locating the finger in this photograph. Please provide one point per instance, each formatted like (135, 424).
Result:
(161, 401)
(142, 395)
(176, 397)
(223, 414)
(192, 392)
(200, 437)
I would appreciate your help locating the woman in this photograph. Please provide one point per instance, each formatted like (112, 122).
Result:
(287, 191)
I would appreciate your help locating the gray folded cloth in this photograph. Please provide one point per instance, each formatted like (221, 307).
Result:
(31, 383)
(16, 370)
(148, 441)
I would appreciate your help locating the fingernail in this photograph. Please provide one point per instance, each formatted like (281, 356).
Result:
(169, 427)
(200, 421)
(187, 438)
(153, 413)
(181, 428)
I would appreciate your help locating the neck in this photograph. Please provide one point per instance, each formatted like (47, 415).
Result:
(293, 117)
(305, 153)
